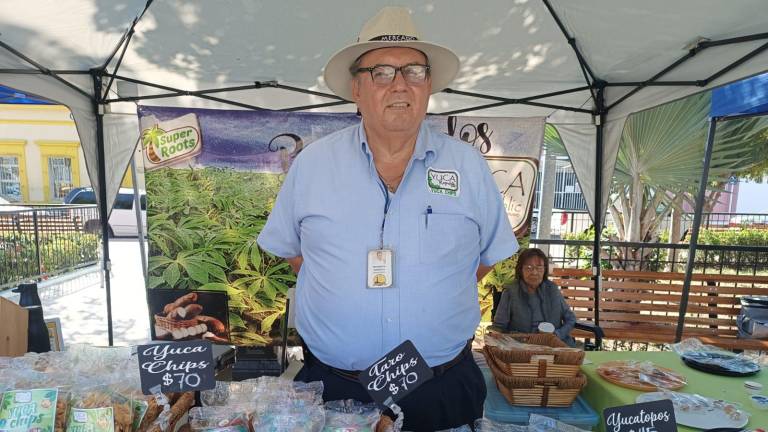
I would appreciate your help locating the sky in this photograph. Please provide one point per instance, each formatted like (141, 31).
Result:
(753, 197)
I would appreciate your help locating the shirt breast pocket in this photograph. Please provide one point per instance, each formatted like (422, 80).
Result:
(447, 238)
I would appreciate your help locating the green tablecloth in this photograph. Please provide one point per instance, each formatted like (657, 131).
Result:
(601, 394)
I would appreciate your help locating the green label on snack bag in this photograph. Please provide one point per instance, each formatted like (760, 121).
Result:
(28, 410)
(139, 409)
(91, 420)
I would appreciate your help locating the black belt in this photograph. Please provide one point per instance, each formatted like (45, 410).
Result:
(353, 375)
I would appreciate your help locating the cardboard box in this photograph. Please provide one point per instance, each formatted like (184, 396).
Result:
(14, 322)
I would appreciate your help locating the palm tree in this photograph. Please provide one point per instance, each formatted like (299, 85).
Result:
(150, 138)
(659, 164)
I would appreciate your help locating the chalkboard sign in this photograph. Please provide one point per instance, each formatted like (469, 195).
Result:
(396, 374)
(656, 416)
(176, 367)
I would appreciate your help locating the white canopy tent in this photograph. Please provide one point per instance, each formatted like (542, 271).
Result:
(584, 65)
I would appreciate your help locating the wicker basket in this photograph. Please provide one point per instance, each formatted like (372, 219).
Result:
(169, 324)
(543, 392)
(542, 363)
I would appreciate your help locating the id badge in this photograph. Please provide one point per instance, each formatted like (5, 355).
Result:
(380, 268)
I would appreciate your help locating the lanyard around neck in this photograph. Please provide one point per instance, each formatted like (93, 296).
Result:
(387, 202)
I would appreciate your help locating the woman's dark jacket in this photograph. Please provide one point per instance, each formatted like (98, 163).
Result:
(514, 314)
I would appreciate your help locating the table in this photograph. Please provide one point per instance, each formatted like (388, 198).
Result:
(601, 394)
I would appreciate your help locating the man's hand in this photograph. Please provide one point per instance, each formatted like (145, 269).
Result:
(482, 271)
(295, 263)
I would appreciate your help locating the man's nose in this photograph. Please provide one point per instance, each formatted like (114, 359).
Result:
(399, 80)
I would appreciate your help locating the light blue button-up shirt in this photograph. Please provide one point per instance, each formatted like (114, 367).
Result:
(330, 211)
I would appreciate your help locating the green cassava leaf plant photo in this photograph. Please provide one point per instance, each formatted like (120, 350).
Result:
(202, 229)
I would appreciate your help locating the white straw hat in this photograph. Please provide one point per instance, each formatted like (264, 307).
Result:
(391, 27)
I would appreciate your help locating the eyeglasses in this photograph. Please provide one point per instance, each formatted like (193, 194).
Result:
(383, 74)
(532, 268)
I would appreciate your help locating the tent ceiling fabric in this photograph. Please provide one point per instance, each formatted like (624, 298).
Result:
(508, 49)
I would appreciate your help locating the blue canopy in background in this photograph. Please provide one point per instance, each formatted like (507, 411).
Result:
(12, 96)
(749, 96)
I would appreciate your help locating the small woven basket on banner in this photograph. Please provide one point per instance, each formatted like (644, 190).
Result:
(535, 363)
(166, 323)
(543, 392)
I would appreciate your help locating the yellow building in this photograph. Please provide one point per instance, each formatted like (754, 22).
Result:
(40, 154)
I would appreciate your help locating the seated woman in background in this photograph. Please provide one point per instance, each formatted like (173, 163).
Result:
(532, 299)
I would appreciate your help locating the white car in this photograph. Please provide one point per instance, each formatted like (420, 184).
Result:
(122, 221)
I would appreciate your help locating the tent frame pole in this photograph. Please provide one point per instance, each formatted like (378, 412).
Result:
(98, 107)
(586, 71)
(39, 72)
(690, 262)
(313, 106)
(739, 39)
(736, 63)
(695, 228)
(525, 101)
(174, 92)
(597, 90)
(699, 83)
(178, 92)
(597, 275)
(119, 59)
(126, 36)
(691, 53)
(43, 70)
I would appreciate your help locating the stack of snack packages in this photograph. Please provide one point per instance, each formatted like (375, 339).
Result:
(269, 404)
(85, 389)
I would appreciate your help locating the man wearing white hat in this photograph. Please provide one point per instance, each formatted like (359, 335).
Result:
(389, 225)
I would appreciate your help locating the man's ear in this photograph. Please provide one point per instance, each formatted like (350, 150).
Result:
(355, 83)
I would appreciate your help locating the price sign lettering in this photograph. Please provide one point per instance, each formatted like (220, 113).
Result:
(176, 367)
(656, 416)
(396, 374)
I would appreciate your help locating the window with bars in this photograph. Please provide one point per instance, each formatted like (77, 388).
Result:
(10, 178)
(59, 176)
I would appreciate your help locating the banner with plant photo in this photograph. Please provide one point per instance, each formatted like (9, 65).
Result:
(211, 180)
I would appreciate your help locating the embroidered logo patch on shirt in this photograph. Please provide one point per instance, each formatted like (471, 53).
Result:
(443, 182)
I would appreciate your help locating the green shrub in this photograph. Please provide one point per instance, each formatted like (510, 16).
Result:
(583, 254)
(654, 260)
(58, 251)
(732, 259)
(503, 273)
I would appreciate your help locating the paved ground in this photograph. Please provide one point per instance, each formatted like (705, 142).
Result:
(79, 300)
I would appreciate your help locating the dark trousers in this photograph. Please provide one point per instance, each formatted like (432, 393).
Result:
(451, 399)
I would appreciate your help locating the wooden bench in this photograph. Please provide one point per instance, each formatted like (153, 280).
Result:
(644, 306)
(46, 223)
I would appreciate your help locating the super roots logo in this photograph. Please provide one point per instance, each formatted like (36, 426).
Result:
(171, 141)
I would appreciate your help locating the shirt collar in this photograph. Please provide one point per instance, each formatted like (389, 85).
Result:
(363, 140)
(425, 143)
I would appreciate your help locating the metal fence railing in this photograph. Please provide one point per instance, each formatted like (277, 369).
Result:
(37, 241)
(577, 221)
(710, 259)
(727, 220)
